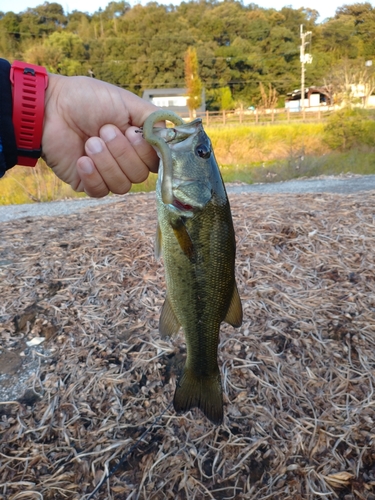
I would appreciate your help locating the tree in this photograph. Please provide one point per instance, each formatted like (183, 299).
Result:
(51, 13)
(346, 129)
(144, 46)
(193, 82)
(62, 52)
(226, 99)
(9, 34)
(267, 100)
(339, 37)
(114, 10)
(351, 82)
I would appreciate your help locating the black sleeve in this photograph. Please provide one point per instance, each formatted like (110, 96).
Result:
(8, 147)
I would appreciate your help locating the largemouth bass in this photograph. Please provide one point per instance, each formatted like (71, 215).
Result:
(195, 235)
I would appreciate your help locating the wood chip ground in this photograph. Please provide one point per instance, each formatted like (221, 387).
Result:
(298, 376)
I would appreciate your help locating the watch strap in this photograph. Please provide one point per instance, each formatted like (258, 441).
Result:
(29, 86)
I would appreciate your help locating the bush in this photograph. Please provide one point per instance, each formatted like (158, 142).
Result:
(349, 128)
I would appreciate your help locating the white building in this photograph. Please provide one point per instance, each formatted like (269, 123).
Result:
(315, 98)
(174, 99)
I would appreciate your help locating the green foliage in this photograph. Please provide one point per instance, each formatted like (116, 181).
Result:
(237, 45)
(226, 101)
(221, 99)
(349, 128)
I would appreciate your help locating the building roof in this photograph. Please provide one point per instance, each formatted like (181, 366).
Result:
(296, 94)
(150, 93)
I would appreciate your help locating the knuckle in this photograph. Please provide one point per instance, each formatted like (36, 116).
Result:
(122, 188)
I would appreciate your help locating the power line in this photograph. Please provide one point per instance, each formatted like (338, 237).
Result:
(212, 83)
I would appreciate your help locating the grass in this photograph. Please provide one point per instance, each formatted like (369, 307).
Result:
(334, 163)
(274, 153)
(32, 185)
(147, 186)
(247, 145)
(245, 153)
(27, 185)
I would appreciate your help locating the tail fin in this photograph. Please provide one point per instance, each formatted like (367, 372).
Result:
(202, 392)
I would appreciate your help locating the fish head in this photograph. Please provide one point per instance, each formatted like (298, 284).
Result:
(195, 177)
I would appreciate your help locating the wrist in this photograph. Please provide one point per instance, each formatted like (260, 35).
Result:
(29, 86)
(51, 91)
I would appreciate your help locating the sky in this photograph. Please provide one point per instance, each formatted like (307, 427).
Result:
(326, 8)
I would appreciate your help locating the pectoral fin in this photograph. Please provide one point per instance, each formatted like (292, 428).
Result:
(168, 323)
(158, 238)
(234, 314)
(184, 240)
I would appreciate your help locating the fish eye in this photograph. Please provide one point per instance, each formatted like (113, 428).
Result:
(203, 151)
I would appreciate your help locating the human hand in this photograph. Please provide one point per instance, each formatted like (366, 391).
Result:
(89, 137)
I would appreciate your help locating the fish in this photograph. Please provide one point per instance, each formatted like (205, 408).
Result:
(195, 236)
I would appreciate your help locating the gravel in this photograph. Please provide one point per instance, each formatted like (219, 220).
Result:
(345, 184)
(52, 208)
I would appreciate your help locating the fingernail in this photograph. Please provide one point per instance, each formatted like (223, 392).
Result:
(94, 145)
(86, 166)
(108, 133)
(133, 136)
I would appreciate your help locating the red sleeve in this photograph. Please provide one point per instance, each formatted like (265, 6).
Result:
(8, 147)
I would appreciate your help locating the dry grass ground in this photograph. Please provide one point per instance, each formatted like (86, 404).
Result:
(298, 376)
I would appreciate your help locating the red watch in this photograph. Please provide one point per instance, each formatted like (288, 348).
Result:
(29, 87)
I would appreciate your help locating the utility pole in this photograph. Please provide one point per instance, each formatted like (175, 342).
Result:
(304, 58)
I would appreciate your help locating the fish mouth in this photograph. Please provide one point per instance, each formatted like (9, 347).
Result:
(183, 207)
(190, 195)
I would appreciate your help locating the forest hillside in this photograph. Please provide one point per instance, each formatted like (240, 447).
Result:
(239, 48)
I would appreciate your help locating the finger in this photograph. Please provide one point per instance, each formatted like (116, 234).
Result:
(139, 109)
(91, 180)
(124, 154)
(107, 165)
(143, 149)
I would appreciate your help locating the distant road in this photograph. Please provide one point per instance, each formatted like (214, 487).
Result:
(340, 185)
